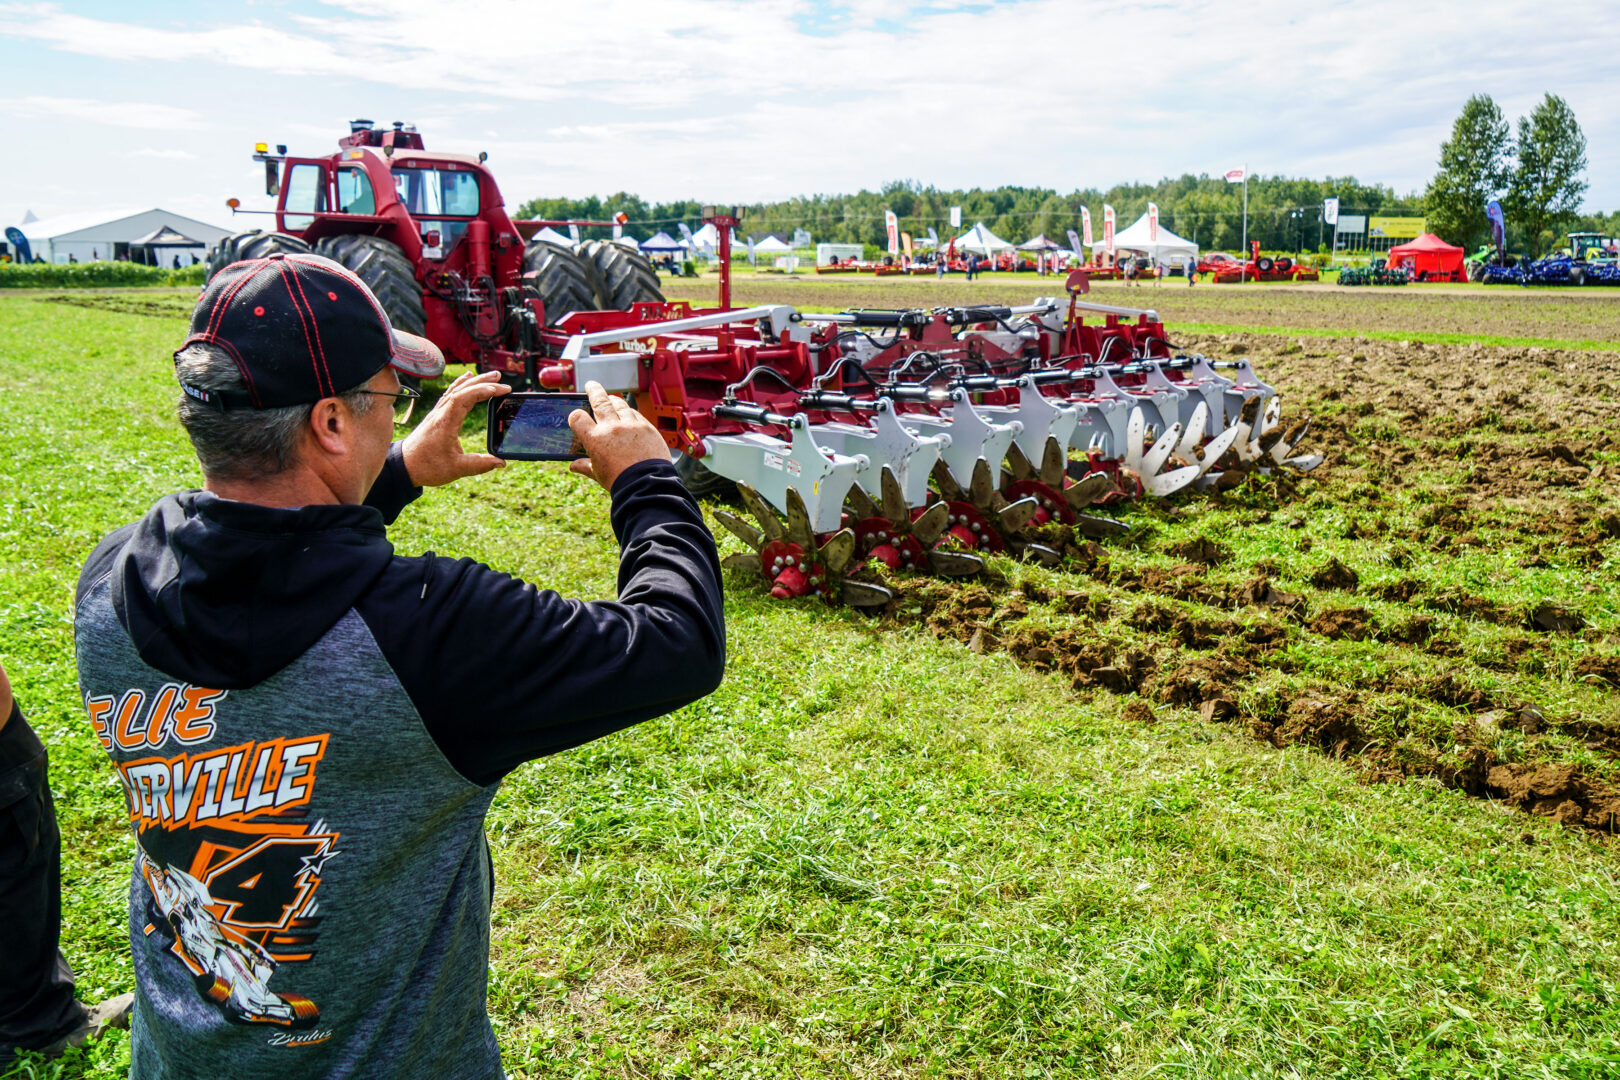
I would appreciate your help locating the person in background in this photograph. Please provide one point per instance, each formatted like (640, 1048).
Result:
(1192, 272)
(38, 1011)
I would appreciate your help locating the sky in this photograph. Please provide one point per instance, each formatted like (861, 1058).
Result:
(111, 105)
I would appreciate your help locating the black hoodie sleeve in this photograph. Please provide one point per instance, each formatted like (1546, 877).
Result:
(393, 491)
(502, 672)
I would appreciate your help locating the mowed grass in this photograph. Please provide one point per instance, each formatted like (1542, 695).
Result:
(873, 852)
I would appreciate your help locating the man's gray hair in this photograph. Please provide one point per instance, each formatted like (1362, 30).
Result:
(241, 444)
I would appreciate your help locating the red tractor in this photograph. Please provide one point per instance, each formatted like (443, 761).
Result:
(430, 235)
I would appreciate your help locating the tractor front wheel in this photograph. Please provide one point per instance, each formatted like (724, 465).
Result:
(256, 244)
(700, 480)
(387, 273)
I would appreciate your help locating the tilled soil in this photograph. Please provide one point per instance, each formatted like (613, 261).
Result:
(1440, 459)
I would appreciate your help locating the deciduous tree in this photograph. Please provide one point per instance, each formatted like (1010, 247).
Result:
(1475, 166)
(1550, 178)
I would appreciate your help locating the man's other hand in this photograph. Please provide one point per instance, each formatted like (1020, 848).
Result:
(615, 439)
(433, 453)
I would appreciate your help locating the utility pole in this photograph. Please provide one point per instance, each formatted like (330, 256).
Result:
(1243, 274)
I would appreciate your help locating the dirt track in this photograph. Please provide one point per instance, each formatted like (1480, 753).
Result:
(1591, 315)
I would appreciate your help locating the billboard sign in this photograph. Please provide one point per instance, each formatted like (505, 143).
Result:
(1403, 228)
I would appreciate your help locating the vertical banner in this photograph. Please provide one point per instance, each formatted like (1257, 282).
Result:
(892, 223)
(686, 232)
(750, 251)
(933, 237)
(1074, 242)
(1108, 228)
(905, 245)
(1153, 222)
(573, 233)
(1330, 211)
(956, 217)
(1085, 225)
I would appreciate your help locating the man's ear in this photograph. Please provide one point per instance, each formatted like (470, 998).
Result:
(329, 427)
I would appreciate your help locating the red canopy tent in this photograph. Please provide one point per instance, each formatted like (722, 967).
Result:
(1429, 258)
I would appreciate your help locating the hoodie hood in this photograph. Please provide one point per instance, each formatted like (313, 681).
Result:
(225, 594)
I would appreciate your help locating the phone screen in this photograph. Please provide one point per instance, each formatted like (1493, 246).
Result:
(534, 427)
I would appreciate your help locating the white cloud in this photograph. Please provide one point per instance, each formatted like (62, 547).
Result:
(168, 155)
(124, 114)
(735, 99)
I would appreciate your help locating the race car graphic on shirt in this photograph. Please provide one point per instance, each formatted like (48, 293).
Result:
(226, 848)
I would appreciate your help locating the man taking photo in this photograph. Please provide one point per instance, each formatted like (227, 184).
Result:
(310, 728)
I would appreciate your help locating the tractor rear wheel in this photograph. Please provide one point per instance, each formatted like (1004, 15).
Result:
(387, 273)
(585, 252)
(250, 245)
(1476, 272)
(625, 276)
(561, 279)
(699, 479)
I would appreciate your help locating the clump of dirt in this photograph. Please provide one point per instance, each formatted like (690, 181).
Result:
(1560, 792)
(1140, 712)
(1353, 624)
(1336, 575)
(1189, 631)
(1457, 602)
(1316, 721)
(1414, 631)
(1400, 591)
(1184, 581)
(1201, 549)
(1552, 618)
(1260, 592)
(1604, 669)
(1202, 678)
(1447, 690)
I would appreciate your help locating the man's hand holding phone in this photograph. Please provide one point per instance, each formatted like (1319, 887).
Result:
(616, 438)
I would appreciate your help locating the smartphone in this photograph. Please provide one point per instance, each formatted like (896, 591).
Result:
(534, 427)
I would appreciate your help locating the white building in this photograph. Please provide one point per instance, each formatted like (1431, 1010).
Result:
(110, 234)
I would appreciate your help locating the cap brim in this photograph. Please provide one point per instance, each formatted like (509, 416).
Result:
(416, 356)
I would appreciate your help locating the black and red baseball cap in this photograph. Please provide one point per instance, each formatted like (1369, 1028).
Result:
(300, 328)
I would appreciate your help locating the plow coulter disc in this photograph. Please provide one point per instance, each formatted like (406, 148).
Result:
(792, 559)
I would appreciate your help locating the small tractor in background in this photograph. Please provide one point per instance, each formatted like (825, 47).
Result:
(430, 235)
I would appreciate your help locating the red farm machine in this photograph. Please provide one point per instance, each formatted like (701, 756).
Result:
(924, 439)
(429, 233)
(1258, 267)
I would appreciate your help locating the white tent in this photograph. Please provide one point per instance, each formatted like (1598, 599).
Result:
(552, 236)
(1040, 243)
(662, 241)
(1168, 248)
(772, 245)
(708, 239)
(981, 241)
(103, 234)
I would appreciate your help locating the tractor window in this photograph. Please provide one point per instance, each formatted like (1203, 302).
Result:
(437, 192)
(354, 191)
(306, 195)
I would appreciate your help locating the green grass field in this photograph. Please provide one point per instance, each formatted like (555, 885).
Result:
(881, 851)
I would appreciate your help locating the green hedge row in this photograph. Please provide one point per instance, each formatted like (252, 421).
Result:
(93, 275)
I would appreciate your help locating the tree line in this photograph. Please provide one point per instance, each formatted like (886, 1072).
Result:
(1539, 177)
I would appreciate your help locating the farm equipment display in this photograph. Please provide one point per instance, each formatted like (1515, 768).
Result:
(430, 235)
(1590, 259)
(1260, 268)
(924, 439)
(1376, 274)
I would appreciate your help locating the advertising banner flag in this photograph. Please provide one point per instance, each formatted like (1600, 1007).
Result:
(801, 238)
(1108, 228)
(1074, 242)
(686, 233)
(933, 237)
(1236, 176)
(1330, 211)
(956, 217)
(15, 237)
(573, 233)
(1153, 222)
(905, 245)
(1085, 226)
(892, 223)
(1493, 210)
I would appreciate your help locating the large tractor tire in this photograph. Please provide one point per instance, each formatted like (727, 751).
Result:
(387, 273)
(560, 277)
(585, 252)
(1476, 272)
(256, 244)
(1264, 264)
(625, 276)
(697, 478)
(1577, 275)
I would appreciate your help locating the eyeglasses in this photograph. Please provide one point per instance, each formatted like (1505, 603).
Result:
(404, 401)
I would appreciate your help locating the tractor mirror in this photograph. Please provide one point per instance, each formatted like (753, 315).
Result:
(483, 156)
(233, 203)
(272, 179)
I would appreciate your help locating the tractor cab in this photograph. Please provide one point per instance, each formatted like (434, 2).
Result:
(1593, 247)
